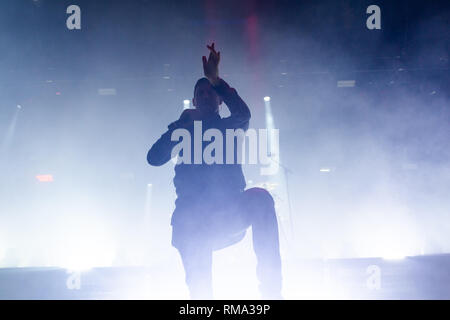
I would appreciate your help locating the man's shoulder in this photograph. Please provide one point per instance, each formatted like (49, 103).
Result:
(231, 122)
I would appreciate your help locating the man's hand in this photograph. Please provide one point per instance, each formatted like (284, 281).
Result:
(211, 66)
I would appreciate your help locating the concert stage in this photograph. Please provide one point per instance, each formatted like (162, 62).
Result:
(420, 277)
(121, 135)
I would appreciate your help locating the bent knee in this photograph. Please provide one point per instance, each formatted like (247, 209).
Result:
(259, 196)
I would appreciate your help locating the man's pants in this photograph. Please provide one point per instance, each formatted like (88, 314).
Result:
(253, 207)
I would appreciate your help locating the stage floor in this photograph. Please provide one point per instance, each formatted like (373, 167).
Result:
(421, 277)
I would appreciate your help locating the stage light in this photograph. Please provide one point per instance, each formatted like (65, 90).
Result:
(186, 104)
(346, 83)
(269, 125)
(325, 170)
(388, 236)
(107, 92)
(44, 178)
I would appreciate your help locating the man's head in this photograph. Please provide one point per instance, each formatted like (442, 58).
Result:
(205, 97)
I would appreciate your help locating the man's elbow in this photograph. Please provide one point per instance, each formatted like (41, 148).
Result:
(245, 116)
(153, 159)
(248, 115)
(245, 112)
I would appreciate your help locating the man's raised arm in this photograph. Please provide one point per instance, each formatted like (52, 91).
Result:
(240, 112)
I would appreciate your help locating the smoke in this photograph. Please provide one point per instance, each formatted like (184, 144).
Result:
(384, 141)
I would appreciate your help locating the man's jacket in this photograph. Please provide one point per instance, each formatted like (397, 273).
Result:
(205, 185)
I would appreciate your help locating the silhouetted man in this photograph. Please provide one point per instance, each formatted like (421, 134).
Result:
(212, 209)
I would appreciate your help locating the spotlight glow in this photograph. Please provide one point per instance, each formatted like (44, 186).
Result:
(83, 254)
(85, 242)
(44, 178)
(387, 234)
(267, 98)
(234, 274)
(2, 252)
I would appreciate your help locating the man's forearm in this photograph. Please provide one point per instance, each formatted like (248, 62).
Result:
(237, 106)
(214, 81)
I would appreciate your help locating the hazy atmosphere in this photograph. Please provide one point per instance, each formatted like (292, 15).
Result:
(363, 118)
